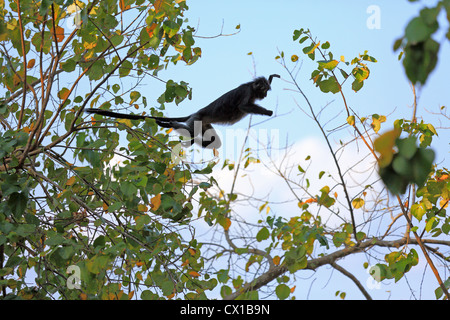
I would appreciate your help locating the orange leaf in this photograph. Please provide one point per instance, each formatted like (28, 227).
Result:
(28, 129)
(276, 260)
(131, 294)
(139, 264)
(64, 93)
(122, 5)
(71, 181)
(170, 296)
(293, 289)
(59, 34)
(227, 224)
(83, 296)
(150, 29)
(155, 202)
(194, 274)
(185, 263)
(157, 5)
(192, 251)
(31, 63)
(105, 206)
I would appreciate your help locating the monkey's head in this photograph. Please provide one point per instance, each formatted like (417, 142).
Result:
(261, 85)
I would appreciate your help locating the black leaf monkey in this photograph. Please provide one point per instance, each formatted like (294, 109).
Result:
(227, 109)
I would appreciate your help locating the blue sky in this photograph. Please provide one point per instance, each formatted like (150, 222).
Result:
(266, 29)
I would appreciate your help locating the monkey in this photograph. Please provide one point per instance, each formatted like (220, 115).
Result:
(227, 109)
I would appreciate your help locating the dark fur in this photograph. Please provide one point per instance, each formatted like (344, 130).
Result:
(227, 109)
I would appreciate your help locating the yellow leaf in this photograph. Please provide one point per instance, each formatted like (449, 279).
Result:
(183, 180)
(89, 45)
(142, 208)
(155, 202)
(384, 144)
(357, 203)
(126, 122)
(70, 181)
(342, 59)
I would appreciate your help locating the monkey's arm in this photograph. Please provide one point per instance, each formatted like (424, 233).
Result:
(255, 109)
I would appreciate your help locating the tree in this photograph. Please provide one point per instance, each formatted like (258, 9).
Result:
(65, 205)
(97, 208)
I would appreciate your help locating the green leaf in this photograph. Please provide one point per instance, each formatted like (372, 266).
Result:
(357, 85)
(69, 65)
(263, 234)
(329, 85)
(18, 203)
(330, 64)
(420, 59)
(326, 45)
(225, 291)
(418, 210)
(222, 275)
(282, 291)
(125, 68)
(407, 147)
(402, 166)
(431, 223)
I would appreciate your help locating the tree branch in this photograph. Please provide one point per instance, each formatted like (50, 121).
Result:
(353, 278)
(330, 259)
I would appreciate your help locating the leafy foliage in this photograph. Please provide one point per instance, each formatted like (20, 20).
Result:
(63, 203)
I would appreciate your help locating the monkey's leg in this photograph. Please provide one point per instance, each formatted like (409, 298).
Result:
(209, 138)
(181, 128)
(255, 109)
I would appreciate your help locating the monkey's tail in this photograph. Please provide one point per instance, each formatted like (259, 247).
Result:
(131, 116)
(271, 77)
